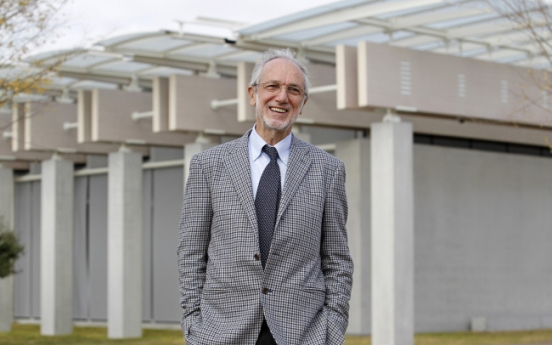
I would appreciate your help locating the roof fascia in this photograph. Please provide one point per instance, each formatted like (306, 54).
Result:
(349, 14)
(429, 18)
(146, 36)
(318, 53)
(295, 17)
(343, 34)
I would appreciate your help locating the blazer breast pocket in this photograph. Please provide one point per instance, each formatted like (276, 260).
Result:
(306, 209)
(312, 185)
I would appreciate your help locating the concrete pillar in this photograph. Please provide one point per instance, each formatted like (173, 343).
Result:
(392, 233)
(56, 247)
(6, 216)
(190, 150)
(356, 156)
(124, 241)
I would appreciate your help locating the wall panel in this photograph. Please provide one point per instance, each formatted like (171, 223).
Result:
(167, 200)
(22, 227)
(80, 249)
(482, 239)
(35, 261)
(147, 283)
(98, 247)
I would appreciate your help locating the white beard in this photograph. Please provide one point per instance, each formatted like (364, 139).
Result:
(274, 125)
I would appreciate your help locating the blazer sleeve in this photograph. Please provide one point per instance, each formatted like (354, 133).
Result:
(337, 264)
(194, 237)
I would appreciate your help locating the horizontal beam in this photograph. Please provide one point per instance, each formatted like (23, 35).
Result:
(67, 126)
(216, 104)
(318, 53)
(322, 89)
(141, 115)
(102, 77)
(183, 64)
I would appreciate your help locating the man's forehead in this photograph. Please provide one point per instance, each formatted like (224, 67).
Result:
(281, 67)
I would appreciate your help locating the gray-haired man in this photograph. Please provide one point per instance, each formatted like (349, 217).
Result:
(263, 254)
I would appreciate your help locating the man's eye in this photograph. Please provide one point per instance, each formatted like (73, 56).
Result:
(272, 87)
(294, 90)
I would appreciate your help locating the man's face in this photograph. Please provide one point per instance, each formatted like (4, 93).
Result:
(278, 110)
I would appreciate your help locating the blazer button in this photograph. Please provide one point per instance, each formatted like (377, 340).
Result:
(266, 291)
(257, 257)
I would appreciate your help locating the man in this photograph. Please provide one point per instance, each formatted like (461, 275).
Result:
(263, 255)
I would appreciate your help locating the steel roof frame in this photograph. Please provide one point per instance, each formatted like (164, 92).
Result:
(467, 28)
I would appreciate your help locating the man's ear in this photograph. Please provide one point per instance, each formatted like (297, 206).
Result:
(251, 93)
(304, 102)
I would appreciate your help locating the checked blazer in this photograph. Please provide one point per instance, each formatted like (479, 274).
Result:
(304, 290)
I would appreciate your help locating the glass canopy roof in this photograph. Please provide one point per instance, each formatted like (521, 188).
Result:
(464, 28)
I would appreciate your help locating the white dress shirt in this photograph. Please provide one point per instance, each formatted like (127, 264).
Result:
(259, 160)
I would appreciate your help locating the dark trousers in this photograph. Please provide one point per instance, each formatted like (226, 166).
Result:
(265, 337)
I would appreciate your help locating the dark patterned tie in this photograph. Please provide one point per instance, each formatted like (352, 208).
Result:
(267, 201)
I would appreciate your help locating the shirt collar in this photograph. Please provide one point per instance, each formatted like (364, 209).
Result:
(256, 144)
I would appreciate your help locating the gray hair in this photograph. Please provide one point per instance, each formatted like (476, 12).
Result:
(273, 54)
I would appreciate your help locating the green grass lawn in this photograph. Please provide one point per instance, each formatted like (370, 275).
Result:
(30, 334)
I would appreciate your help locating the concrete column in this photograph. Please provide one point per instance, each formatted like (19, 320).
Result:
(124, 240)
(356, 156)
(392, 233)
(6, 215)
(56, 247)
(190, 150)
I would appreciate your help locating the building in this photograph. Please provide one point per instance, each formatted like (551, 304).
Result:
(444, 131)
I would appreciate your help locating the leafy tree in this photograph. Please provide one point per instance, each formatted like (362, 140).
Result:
(24, 26)
(10, 250)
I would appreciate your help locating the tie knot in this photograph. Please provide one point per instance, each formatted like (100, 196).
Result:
(272, 152)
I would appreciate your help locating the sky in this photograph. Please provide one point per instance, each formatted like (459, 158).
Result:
(83, 22)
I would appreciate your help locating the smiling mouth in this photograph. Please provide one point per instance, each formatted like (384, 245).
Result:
(278, 110)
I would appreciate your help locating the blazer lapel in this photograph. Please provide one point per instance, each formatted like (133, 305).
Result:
(298, 165)
(236, 160)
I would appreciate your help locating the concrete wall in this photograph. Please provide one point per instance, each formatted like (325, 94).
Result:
(482, 241)
(6, 217)
(161, 214)
(325, 135)
(355, 154)
(27, 227)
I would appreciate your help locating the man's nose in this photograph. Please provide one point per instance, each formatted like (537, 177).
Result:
(282, 95)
